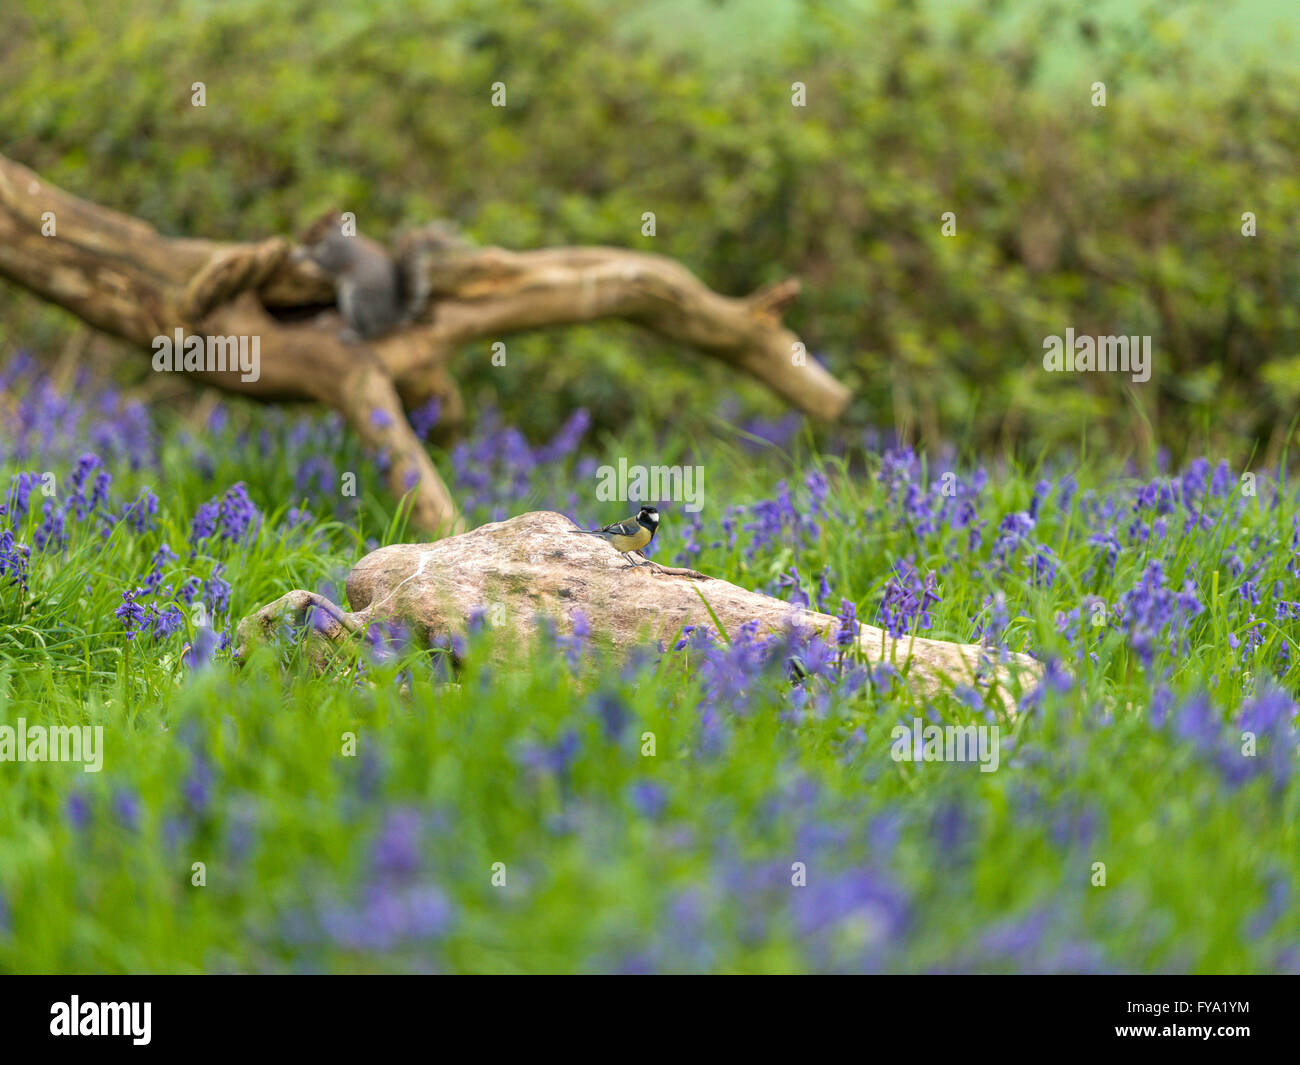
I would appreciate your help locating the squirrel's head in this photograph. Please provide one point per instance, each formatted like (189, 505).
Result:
(327, 242)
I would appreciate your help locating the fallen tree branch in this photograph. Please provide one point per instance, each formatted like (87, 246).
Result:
(118, 274)
(121, 276)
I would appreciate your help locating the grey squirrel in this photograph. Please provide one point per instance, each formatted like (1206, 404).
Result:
(376, 292)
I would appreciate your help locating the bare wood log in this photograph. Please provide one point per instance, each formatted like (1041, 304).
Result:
(121, 276)
(490, 292)
(535, 566)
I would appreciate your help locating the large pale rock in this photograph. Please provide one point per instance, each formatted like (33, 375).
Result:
(538, 565)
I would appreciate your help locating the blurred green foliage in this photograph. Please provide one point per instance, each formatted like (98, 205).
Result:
(1117, 220)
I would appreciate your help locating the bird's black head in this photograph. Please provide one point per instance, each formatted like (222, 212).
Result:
(648, 516)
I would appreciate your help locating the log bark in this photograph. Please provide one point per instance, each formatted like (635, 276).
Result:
(534, 566)
(121, 276)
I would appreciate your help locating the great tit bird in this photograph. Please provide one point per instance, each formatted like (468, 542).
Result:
(631, 534)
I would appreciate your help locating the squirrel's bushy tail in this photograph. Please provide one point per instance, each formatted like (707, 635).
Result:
(416, 251)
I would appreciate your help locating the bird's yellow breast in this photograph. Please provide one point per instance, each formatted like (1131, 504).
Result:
(632, 543)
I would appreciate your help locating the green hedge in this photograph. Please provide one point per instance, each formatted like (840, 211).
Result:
(1124, 219)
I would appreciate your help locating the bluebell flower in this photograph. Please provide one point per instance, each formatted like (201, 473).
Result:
(907, 600)
(648, 798)
(126, 808)
(130, 613)
(398, 846)
(78, 811)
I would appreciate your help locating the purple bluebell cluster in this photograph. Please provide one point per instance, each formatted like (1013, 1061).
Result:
(53, 427)
(930, 508)
(78, 811)
(852, 920)
(944, 515)
(126, 808)
(155, 604)
(573, 644)
(131, 614)
(232, 518)
(1151, 612)
(387, 638)
(908, 599)
(648, 798)
(397, 904)
(848, 630)
(424, 418)
(804, 669)
(45, 513)
(14, 559)
(498, 468)
(1035, 943)
(554, 758)
(1260, 742)
(783, 521)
